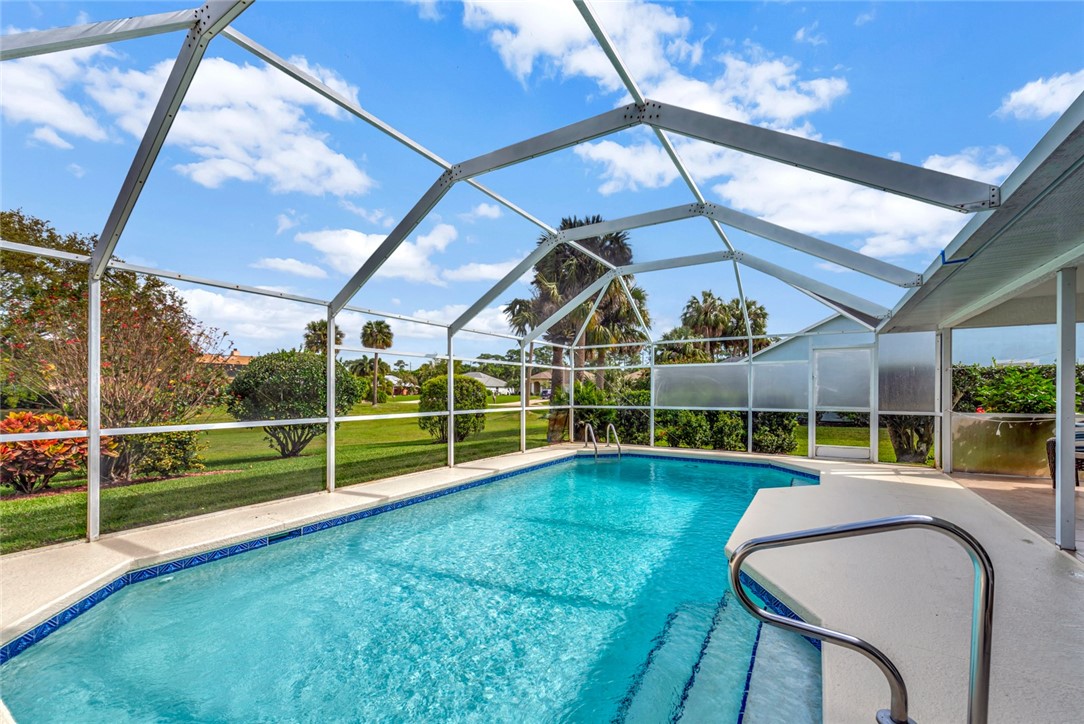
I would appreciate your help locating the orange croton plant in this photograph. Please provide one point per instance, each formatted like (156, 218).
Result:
(29, 465)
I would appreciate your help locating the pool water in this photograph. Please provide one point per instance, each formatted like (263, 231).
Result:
(582, 591)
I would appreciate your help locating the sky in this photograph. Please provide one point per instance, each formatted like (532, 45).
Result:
(262, 182)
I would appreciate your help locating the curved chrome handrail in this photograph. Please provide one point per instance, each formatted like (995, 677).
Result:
(981, 616)
(616, 439)
(587, 428)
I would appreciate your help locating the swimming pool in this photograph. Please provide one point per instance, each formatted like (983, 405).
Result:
(581, 591)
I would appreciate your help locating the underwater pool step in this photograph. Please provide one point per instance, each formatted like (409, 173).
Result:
(785, 684)
(722, 668)
(656, 691)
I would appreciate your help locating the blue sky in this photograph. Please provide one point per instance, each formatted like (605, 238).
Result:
(263, 183)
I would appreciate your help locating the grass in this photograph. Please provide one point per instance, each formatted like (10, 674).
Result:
(241, 469)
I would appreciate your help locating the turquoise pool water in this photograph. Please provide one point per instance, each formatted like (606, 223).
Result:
(578, 592)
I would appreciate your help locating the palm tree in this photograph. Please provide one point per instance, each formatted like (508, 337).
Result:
(708, 316)
(316, 336)
(376, 336)
(682, 351)
(560, 276)
(616, 321)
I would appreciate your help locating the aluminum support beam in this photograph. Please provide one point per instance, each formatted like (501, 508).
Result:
(590, 254)
(94, 407)
(710, 257)
(815, 247)
(43, 252)
(579, 132)
(330, 402)
(524, 396)
(210, 20)
(922, 184)
(587, 319)
(354, 109)
(397, 236)
(451, 403)
(635, 308)
(636, 221)
(40, 42)
(576, 301)
(508, 280)
(1065, 390)
(944, 442)
(807, 284)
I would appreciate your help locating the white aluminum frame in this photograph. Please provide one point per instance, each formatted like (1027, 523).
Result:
(203, 24)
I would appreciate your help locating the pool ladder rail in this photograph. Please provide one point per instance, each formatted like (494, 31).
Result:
(981, 615)
(589, 436)
(589, 432)
(616, 439)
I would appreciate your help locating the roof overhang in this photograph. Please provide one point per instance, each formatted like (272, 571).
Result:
(998, 270)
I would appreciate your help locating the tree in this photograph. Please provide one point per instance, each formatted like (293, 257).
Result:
(710, 316)
(316, 336)
(682, 351)
(289, 385)
(564, 273)
(153, 351)
(376, 336)
(470, 394)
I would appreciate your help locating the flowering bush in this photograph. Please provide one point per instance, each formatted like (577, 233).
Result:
(29, 465)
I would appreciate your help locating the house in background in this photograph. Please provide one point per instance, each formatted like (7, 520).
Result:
(231, 363)
(493, 385)
(401, 386)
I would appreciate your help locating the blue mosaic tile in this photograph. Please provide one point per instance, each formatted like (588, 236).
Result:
(143, 575)
(774, 605)
(749, 674)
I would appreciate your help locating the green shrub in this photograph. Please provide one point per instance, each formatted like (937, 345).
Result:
(166, 454)
(728, 431)
(470, 394)
(773, 432)
(285, 385)
(1028, 389)
(689, 428)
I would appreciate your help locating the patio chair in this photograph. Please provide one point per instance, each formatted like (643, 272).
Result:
(1051, 456)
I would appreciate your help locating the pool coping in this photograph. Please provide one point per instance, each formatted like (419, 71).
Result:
(27, 630)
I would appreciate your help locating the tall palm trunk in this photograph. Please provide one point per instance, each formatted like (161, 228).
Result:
(600, 374)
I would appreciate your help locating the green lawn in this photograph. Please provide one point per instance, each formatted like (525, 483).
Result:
(855, 436)
(247, 471)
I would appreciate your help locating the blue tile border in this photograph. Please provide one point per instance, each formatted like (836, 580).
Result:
(774, 604)
(813, 477)
(20, 643)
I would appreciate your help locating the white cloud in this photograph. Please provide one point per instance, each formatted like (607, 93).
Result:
(285, 222)
(242, 122)
(864, 18)
(482, 211)
(490, 319)
(477, 272)
(254, 317)
(345, 250)
(290, 266)
(808, 34)
(76, 170)
(653, 40)
(1044, 97)
(644, 165)
(427, 9)
(377, 217)
(45, 134)
(829, 266)
(33, 90)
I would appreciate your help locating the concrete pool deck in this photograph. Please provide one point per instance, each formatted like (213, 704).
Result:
(916, 607)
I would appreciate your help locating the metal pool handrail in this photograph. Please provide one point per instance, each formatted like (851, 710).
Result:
(587, 428)
(981, 616)
(616, 439)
